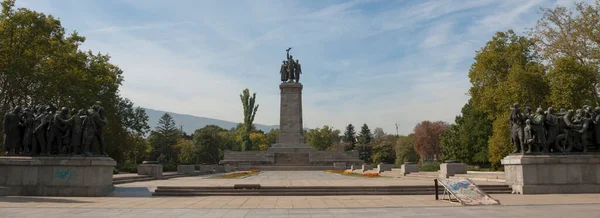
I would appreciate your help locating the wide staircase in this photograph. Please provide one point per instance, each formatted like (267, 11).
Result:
(312, 190)
(291, 158)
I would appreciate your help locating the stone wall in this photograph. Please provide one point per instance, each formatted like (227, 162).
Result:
(57, 176)
(553, 174)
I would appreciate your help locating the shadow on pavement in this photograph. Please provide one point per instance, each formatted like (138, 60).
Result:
(27, 199)
(131, 192)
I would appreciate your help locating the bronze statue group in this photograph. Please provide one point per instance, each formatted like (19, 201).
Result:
(45, 130)
(547, 131)
(290, 69)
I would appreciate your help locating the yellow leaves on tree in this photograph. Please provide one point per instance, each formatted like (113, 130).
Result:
(499, 143)
(259, 141)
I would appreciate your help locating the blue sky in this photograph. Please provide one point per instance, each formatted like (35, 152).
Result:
(375, 61)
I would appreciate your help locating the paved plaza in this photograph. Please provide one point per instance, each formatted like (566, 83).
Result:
(135, 200)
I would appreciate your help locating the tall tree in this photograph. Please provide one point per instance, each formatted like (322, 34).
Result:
(250, 109)
(405, 150)
(349, 138)
(426, 139)
(187, 151)
(322, 138)
(562, 32)
(166, 135)
(364, 147)
(384, 149)
(505, 72)
(378, 133)
(365, 137)
(572, 84)
(467, 139)
(207, 141)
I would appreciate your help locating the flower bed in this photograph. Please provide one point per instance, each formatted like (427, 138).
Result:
(237, 175)
(335, 171)
(350, 173)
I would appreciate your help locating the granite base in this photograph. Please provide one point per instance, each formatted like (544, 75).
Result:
(553, 174)
(56, 176)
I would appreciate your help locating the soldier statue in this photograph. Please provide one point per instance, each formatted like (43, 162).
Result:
(39, 136)
(290, 69)
(100, 121)
(283, 71)
(27, 119)
(516, 123)
(76, 132)
(297, 71)
(12, 130)
(89, 132)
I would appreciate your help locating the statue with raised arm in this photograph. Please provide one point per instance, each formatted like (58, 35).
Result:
(287, 53)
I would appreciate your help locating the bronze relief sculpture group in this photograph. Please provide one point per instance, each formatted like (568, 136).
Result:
(290, 69)
(548, 131)
(45, 130)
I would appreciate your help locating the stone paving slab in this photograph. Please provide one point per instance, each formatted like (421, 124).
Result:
(289, 178)
(273, 202)
(571, 211)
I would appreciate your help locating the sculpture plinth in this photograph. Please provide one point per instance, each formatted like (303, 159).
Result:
(553, 174)
(291, 131)
(56, 176)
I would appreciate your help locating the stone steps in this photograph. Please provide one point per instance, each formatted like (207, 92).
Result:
(427, 175)
(315, 190)
(291, 168)
(130, 179)
(142, 178)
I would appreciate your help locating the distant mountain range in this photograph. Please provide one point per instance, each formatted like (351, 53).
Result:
(191, 123)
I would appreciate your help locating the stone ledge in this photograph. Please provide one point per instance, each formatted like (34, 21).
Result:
(551, 189)
(551, 159)
(56, 161)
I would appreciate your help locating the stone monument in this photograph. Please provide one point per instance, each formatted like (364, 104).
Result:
(49, 153)
(290, 152)
(552, 151)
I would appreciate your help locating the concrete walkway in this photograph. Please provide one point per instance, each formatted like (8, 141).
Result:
(135, 200)
(547, 211)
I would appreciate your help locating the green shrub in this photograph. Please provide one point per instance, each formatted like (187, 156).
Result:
(169, 167)
(128, 167)
(430, 167)
(477, 168)
(115, 171)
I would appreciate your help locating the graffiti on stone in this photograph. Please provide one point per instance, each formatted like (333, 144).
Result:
(467, 192)
(64, 173)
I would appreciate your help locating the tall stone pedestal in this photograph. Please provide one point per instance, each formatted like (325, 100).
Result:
(291, 132)
(553, 174)
(56, 176)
